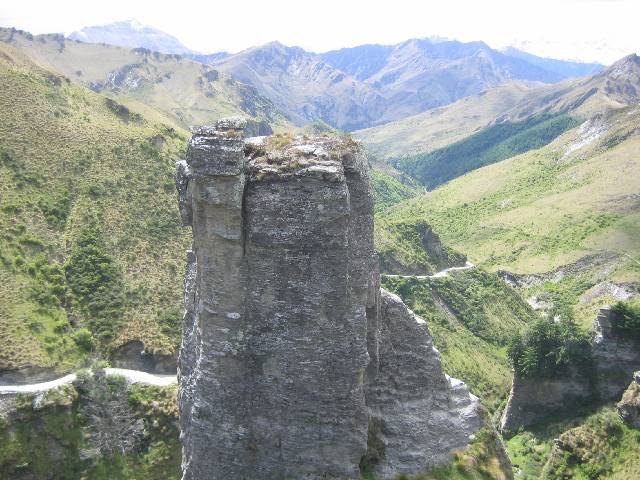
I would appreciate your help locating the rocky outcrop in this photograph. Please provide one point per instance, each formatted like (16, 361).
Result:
(629, 405)
(417, 414)
(133, 356)
(294, 363)
(602, 264)
(532, 399)
(616, 356)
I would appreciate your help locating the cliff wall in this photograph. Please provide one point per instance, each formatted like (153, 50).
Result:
(294, 363)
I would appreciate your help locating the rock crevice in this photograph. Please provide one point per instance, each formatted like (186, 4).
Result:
(294, 363)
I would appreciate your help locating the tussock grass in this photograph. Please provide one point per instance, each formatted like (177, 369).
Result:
(68, 163)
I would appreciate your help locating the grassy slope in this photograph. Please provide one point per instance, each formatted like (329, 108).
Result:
(439, 127)
(543, 209)
(165, 88)
(68, 161)
(472, 316)
(596, 445)
(488, 146)
(389, 190)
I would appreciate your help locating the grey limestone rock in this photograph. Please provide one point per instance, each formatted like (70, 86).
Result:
(294, 363)
(629, 405)
(617, 356)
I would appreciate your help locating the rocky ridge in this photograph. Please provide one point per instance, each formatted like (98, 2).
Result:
(294, 363)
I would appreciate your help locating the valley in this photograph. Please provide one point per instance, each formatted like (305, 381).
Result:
(506, 194)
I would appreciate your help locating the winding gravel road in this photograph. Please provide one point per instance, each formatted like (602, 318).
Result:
(131, 376)
(440, 274)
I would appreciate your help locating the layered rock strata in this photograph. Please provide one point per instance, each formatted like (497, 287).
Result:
(294, 363)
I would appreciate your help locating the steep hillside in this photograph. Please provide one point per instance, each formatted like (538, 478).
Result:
(438, 127)
(390, 190)
(615, 87)
(575, 200)
(91, 239)
(166, 88)
(488, 146)
(131, 34)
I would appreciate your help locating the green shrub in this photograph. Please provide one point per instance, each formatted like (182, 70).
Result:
(95, 284)
(626, 318)
(547, 348)
(84, 339)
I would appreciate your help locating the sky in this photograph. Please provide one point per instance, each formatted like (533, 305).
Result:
(586, 30)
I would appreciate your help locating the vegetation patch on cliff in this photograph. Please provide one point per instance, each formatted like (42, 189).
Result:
(626, 318)
(547, 348)
(98, 428)
(591, 445)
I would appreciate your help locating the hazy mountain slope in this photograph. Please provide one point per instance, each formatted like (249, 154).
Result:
(369, 62)
(500, 109)
(89, 228)
(360, 62)
(374, 84)
(132, 34)
(547, 207)
(564, 68)
(490, 145)
(420, 74)
(302, 85)
(167, 88)
(438, 127)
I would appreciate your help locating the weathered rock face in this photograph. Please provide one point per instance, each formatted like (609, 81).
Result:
(293, 365)
(133, 356)
(417, 414)
(532, 399)
(616, 356)
(629, 405)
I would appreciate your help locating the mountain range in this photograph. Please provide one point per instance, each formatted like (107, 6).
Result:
(614, 87)
(363, 86)
(165, 87)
